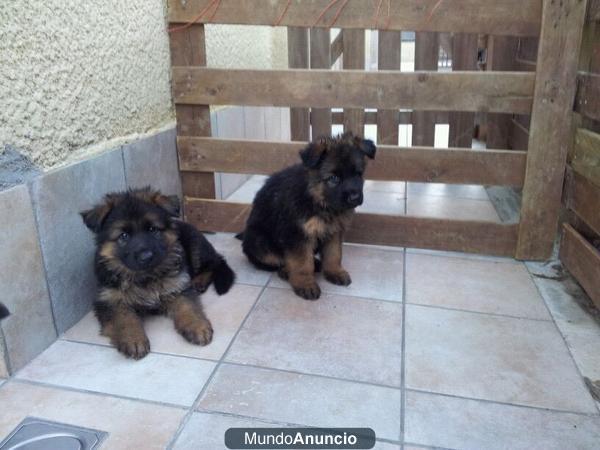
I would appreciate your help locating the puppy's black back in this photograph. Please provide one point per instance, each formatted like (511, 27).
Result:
(3, 311)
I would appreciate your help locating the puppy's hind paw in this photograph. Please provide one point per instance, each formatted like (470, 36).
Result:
(341, 278)
(311, 292)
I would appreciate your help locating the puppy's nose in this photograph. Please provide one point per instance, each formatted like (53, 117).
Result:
(353, 196)
(144, 256)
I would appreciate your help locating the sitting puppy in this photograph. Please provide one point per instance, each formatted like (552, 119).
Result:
(3, 311)
(304, 210)
(148, 262)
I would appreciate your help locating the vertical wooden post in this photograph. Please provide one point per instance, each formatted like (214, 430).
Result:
(353, 55)
(188, 49)
(464, 57)
(320, 58)
(558, 54)
(298, 59)
(427, 51)
(388, 58)
(502, 51)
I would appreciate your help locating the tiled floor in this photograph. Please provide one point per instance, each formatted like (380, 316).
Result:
(430, 349)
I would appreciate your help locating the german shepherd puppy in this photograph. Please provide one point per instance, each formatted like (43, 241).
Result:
(304, 210)
(3, 311)
(148, 262)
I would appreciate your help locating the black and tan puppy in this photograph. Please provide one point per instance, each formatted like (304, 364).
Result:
(304, 209)
(149, 262)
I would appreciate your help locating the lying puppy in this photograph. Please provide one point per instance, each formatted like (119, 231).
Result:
(304, 210)
(148, 262)
(3, 311)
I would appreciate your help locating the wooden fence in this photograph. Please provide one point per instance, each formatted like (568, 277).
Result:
(311, 89)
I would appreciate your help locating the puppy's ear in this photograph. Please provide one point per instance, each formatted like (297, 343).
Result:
(94, 218)
(170, 203)
(313, 154)
(366, 146)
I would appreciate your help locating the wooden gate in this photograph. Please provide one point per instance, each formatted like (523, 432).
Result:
(547, 95)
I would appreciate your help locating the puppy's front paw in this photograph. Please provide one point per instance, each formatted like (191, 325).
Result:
(341, 278)
(134, 346)
(199, 331)
(310, 292)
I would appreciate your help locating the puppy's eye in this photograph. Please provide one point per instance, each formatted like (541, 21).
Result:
(333, 180)
(153, 230)
(123, 237)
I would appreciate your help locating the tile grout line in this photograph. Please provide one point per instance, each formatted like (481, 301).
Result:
(403, 357)
(581, 377)
(95, 393)
(196, 402)
(501, 403)
(506, 316)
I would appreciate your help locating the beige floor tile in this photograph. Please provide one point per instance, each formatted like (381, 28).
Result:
(206, 431)
(231, 249)
(451, 208)
(394, 187)
(339, 336)
(474, 285)
(377, 202)
(496, 358)
(472, 191)
(161, 378)
(226, 314)
(375, 273)
(303, 399)
(129, 424)
(469, 424)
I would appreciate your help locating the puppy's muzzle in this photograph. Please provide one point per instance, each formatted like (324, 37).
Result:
(354, 198)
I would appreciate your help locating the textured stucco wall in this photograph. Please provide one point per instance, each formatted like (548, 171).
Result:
(74, 73)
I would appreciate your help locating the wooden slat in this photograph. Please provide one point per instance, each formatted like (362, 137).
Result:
(519, 136)
(298, 59)
(464, 57)
(461, 91)
(427, 48)
(550, 132)
(337, 47)
(594, 10)
(583, 198)
(320, 58)
(465, 236)
(506, 17)
(586, 155)
(501, 54)
(354, 58)
(423, 164)
(400, 117)
(188, 48)
(587, 101)
(388, 58)
(583, 261)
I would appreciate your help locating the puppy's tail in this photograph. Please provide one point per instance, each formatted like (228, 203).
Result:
(240, 236)
(3, 311)
(223, 277)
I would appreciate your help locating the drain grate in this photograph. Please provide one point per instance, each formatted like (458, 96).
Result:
(39, 434)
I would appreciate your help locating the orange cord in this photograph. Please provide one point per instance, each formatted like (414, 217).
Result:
(337, 15)
(327, 8)
(435, 7)
(376, 15)
(197, 18)
(278, 21)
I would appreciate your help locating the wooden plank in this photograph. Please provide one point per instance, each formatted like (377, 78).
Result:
(422, 164)
(586, 155)
(519, 136)
(508, 17)
(465, 236)
(401, 117)
(320, 58)
(501, 54)
(427, 48)
(337, 47)
(583, 198)
(188, 48)
(549, 135)
(388, 58)
(298, 59)
(582, 260)
(587, 100)
(354, 58)
(594, 11)
(438, 91)
(464, 57)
